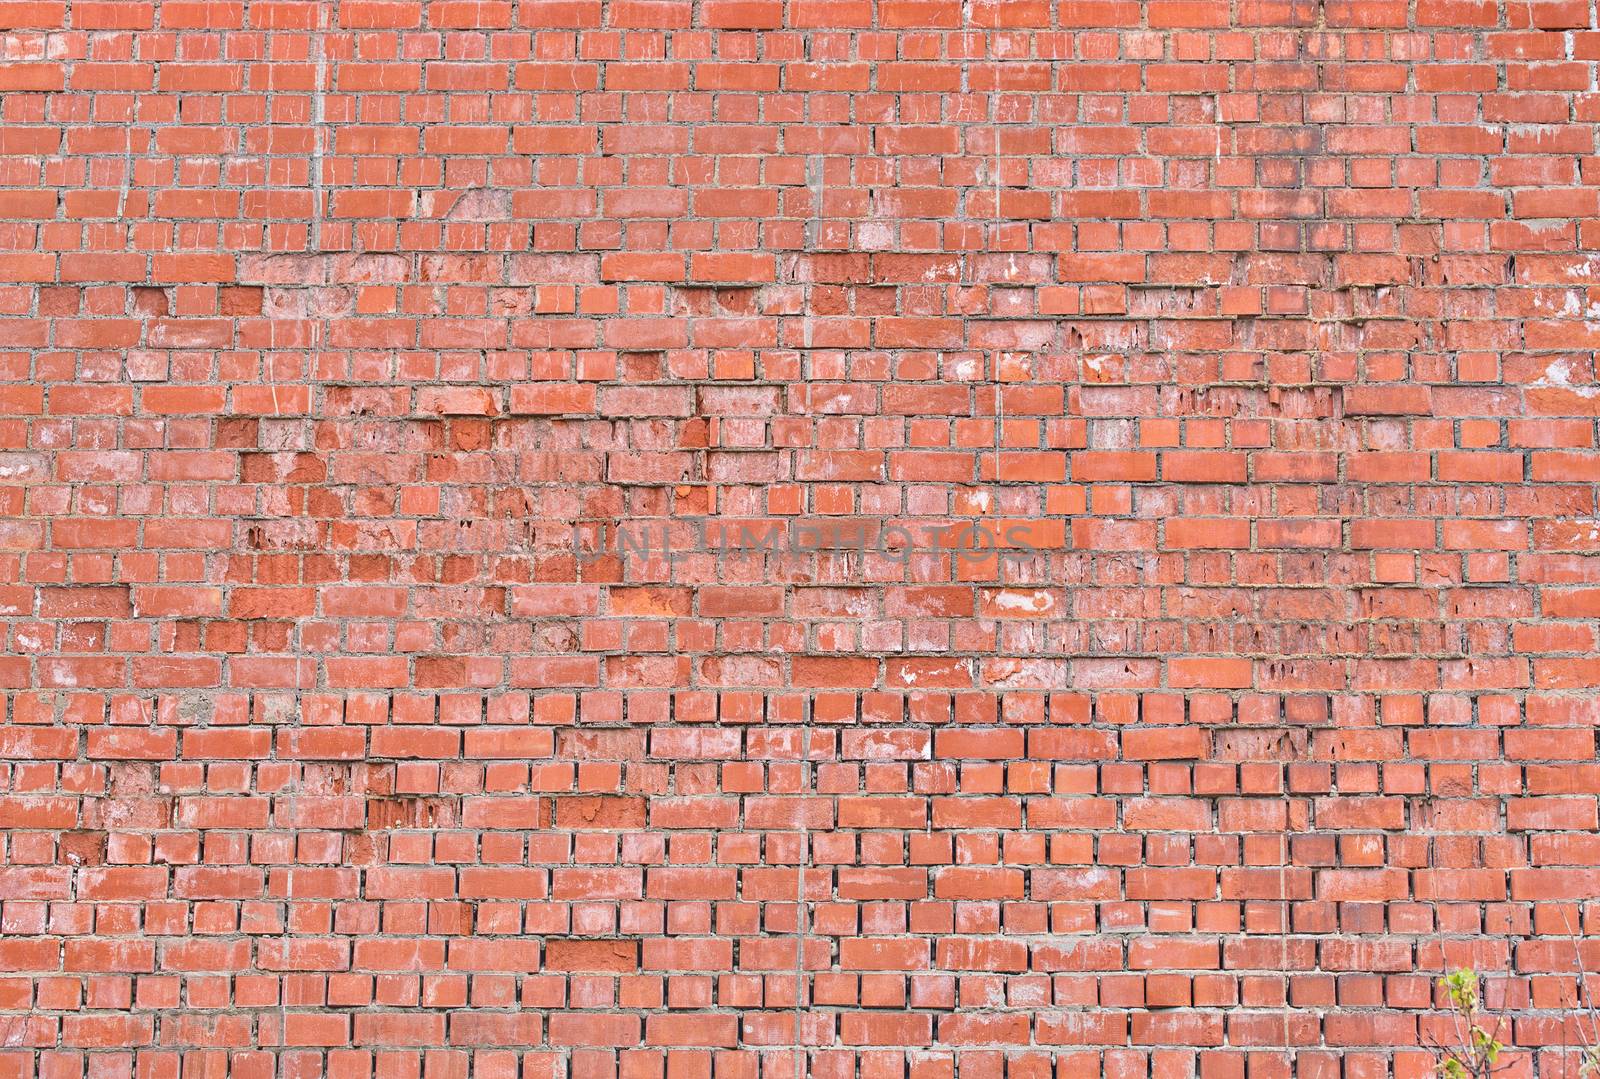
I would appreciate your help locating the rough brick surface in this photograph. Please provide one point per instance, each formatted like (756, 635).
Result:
(1233, 365)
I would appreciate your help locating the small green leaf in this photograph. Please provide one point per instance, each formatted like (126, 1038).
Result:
(1462, 988)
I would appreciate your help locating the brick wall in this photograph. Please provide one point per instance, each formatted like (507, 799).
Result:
(371, 369)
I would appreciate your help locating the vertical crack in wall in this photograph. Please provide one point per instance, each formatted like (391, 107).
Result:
(811, 242)
(319, 116)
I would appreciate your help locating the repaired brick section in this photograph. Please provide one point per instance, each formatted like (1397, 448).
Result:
(592, 956)
(335, 338)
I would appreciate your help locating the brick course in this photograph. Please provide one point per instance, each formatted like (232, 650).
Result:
(1232, 365)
